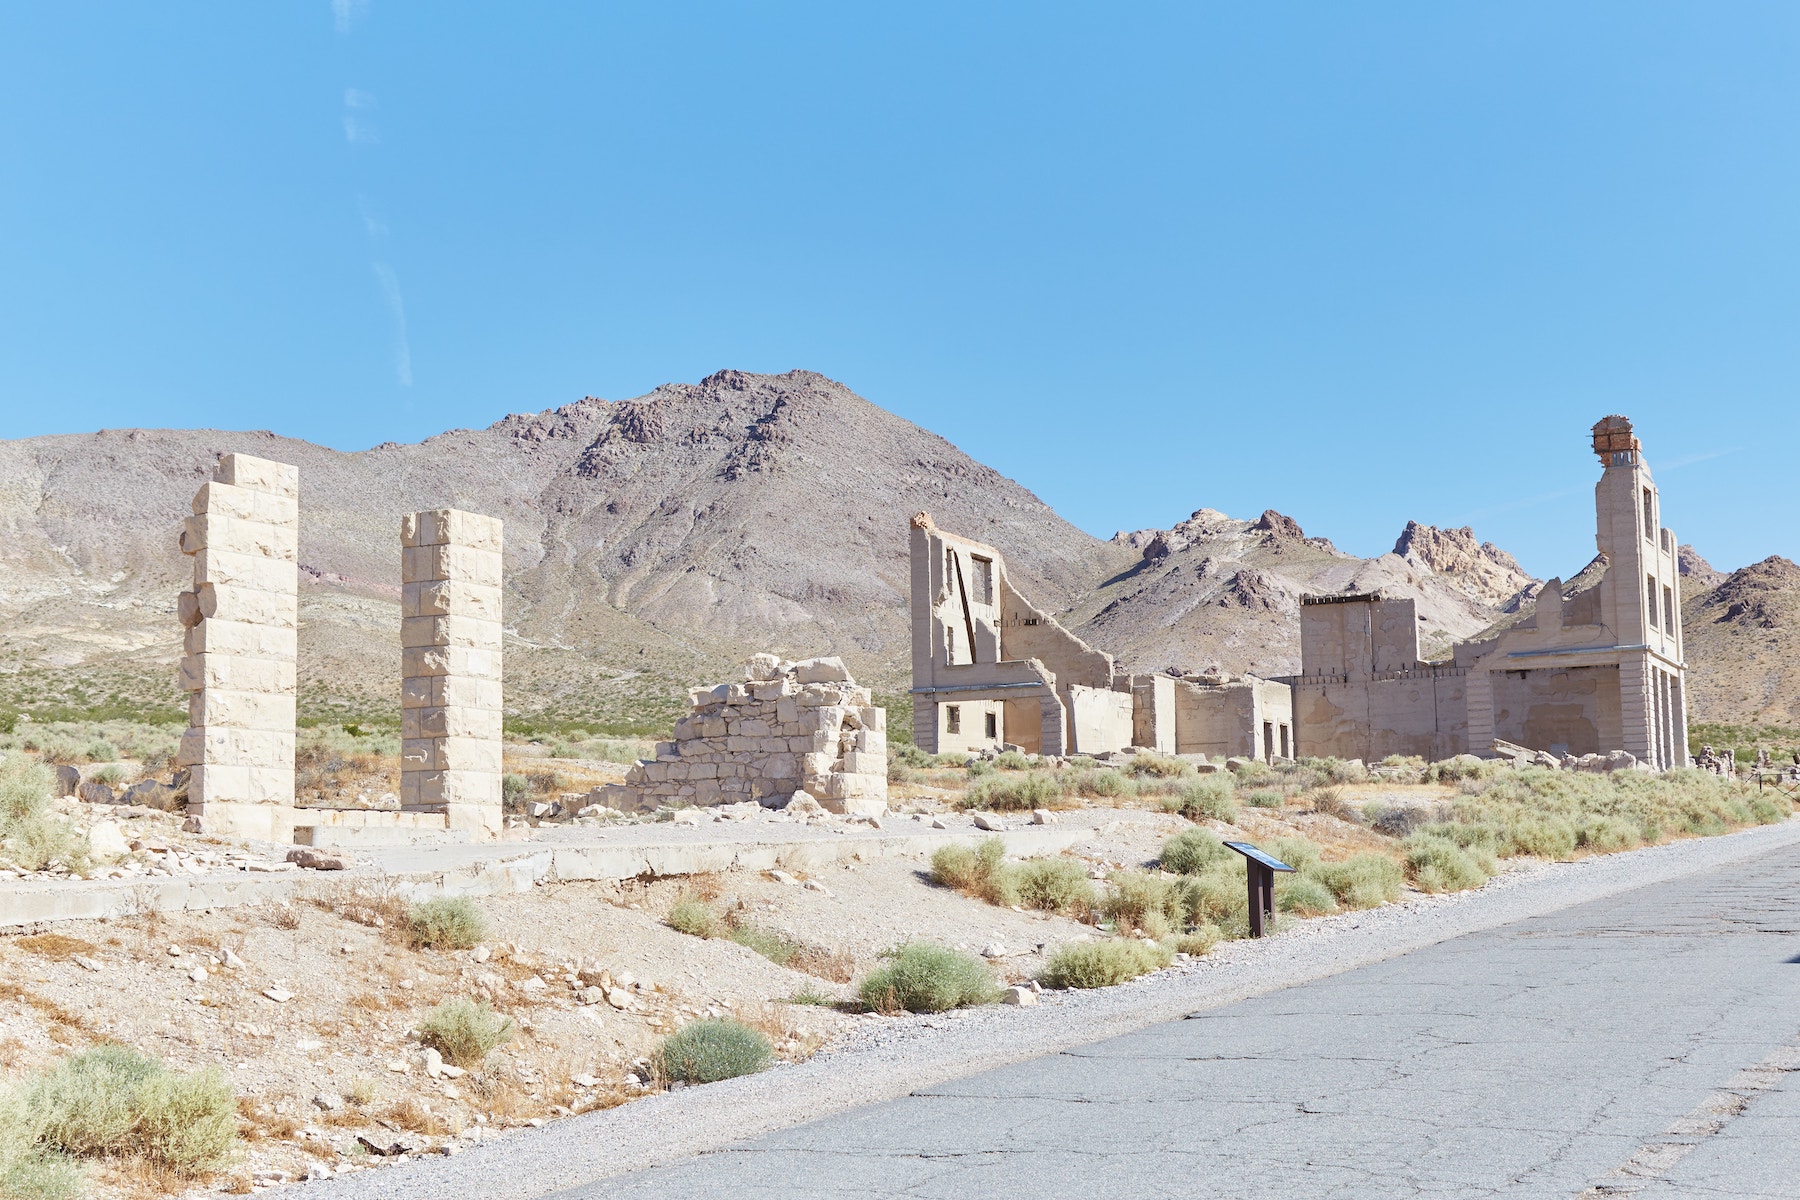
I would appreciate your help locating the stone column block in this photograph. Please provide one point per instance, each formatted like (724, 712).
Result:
(451, 645)
(241, 615)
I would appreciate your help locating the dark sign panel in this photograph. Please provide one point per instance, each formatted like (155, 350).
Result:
(1254, 855)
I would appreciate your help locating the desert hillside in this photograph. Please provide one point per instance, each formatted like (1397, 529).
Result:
(654, 542)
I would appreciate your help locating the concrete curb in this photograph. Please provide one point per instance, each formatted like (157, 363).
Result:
(567, 1157)
(473, 870)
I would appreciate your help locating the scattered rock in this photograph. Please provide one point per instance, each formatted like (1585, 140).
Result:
(993, 950)
(813, 885)
(318, 860)
(278, 994)
(991, 822)
(585, 1081)
(590, 995)
(231, 959)
(153, 793)
(68, 780)
(619, 998)
(939, 823)
(318, 1171)
(481, 954)
(174, 951)
(89, 964)
(430, 1061)
(805, 806)
(399, 1067)
(1043, 816)
(329, 1101)
(387, 1151)
(534, 983)
(783, 877)
(688, 816)
(92, 791)
(198, 974)
(448, 1071)
(1020, 995)
(106, 842)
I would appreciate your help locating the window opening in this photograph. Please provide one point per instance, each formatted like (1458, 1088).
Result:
(1649, 515)
(952, 718)
(1650, 598)
(993, 727)
(1285, 753)
(1669, 611)
(1268, 738)
(984, 580)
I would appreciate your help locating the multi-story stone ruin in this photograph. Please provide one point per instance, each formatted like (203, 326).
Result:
(992, 669)
(450, 637)
(241, 617)
(790, 728)
(1594, 666)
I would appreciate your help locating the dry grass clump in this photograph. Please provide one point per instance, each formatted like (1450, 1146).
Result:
(710, 1050)
(694, 916)
(1051, 884)
(1437, 864)
(1097, 783)
(1095, 964)
(1159, 766)
(1059, 885)
(115, 1103)
(55, 946)
(925, 977)
(445, 923)
(1015, 793)
(464, 1033)
(31, 836)
(1204, 797)
(1194, 850)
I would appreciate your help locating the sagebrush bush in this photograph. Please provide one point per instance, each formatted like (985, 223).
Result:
(1096, 964)
(1436, 864)
(926, 977)
(695, 918)
(978, 871)
(710, 1050)
(1204, 797)
(1197, 941)
(1014, 793)
(31, 835)
(1012, 760)
(1159, 766)
(1264, 798)
(1362, 880)
(1193, 850)
(111, 1101)
(1058, 885)
(1304, 895)
(445, 923)
(1336, 770)
(1095, 782)
(465, 1033)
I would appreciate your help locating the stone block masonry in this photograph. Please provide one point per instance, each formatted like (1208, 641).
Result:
(450, 639)
(238, 669)
(789, 728)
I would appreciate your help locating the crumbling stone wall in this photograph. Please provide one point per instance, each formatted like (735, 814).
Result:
(789, 728)
(241, 616)
(450, 636)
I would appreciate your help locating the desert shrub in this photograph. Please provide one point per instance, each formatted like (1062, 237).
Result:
(1217, 896)
(1463, 766)
(924, 977)
(112, 774)
(1054, 885)
(1254, 772)
(1399, 822)
(29, 1170)
(979, 766)
(99, 750)
(898, 772)
(1264, 798)
(1193, 850)
(1198, 941)
(1605, 834)
(514, 787)
(1541, 837)
(1204, 797)
(1096, 782)
(465, 1033)
(32, 836)
(998, 793)
(1160, 766)
(1297, 852)
(695, 918)
(1095, 964)
(1362, 880)
(910, 755)
(771, 945)
(1012, 760)
(445, 923)
(112, 1101)
(1303, 895)
(1436, 864)
(1331, 802)
(1145, 902)
(711, 1050)
(978, 871)
(1337, 770)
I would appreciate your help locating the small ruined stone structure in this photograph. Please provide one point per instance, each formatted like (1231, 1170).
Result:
(790, 728)
(450, 718)
(990, 669)
(1594, 667)
(238, 670)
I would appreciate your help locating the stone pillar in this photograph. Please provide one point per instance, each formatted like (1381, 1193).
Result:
(239, 665)
(450, 655)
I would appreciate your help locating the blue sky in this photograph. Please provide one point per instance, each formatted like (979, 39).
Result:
(1360, 263)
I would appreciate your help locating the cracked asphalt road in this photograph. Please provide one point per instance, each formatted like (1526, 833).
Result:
(1644, 1044)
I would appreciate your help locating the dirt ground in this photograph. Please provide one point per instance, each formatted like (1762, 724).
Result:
(312, 1008)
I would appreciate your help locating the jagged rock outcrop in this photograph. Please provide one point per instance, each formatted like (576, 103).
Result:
(1742, 640)
(1696, 573)
(1480, 569)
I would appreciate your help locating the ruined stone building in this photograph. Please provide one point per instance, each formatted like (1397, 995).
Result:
(1595, 666)
(992, 669)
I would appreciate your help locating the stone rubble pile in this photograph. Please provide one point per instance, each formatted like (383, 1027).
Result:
(790, 730)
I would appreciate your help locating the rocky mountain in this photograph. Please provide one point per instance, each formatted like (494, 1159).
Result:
(1696, 573)
(1217, 591)
(1742, 638)
(653, 543)
(650, 543)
